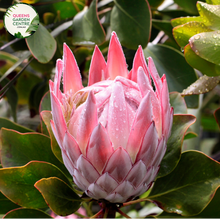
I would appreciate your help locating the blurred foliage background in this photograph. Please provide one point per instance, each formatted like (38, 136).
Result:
(182, 37)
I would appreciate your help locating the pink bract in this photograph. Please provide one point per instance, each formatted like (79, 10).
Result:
(113, 132)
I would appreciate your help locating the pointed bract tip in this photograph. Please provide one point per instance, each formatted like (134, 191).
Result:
(91, 97)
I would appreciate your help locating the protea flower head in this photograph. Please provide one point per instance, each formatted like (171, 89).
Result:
(113, 132)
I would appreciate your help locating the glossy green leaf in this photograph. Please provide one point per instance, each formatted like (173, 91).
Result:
(188, 5)
(180, 125)
(172, 63)
(212, 210)
(87, 29)
(19, 149)
(26, 213)
(6, 205)
(190, 187)
(42, 45)
(210, 14)
(183, 20)
(207, 46)
(6, 123)
(178, 103)
(213, 2)
(155, 3)
(17, 183)
(131, 20)
(184, 32)
(206, 67)
(47, 116)
(59, 196)
(203, 85)
(217, 116)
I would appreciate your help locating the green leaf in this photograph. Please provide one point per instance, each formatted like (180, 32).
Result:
(6, 123)
(12, 97)
(155, 3)
(131, 20)
(34, 24)
(19, 149)
(6, 205)
(190, 187)
(180, 125)
(164, 26)
(207, 46)
(213, 2)
(87, 28)
(17, 183)
(42, 45)
(206, 67)
(47, 116)
(217, 116)
(210, 14)
(212, 210)
(178, 103)
(184, 32)
(59, 196)
(183, 20)
(45, 102)
(188, 5)
(203, 85)
(171, 62)
(26, 213)
(36, 95)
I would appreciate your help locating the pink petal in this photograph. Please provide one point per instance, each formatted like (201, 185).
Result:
(139, 61)
(97, 191)
(115, 198)
(119, 164)
(99, 148)
(71, 75)
(137, 173)
(86, 169)
(125, 189)
(51, 85)
(58, 117)
(68, 162)
(107, 183)
(71, 147)
(159, 153)
(144, 85)
(116, 63)
(80, 181)
(57, 78)
(154, 75)
(140, 126)
(55, 134)
(88, 121)
(149, 146)
(118, 124)
(165, 107)
(74, 121)
(97, 67)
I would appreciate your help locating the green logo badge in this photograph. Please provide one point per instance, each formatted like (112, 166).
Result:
(21, 20)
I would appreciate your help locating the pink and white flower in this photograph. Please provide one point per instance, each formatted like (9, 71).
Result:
(113, 132)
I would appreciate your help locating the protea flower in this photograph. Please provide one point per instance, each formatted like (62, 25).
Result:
(113, 132)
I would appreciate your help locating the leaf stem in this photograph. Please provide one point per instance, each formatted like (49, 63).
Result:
(80, 215)
(75, 6)
(134, 202)
(123, 214)
(97, 214)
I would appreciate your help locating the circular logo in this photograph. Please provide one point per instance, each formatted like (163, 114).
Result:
(21, 20)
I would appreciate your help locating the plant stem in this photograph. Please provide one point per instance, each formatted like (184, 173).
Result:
(97, 214)
(80, 215)
(123, 214)
(134, 202)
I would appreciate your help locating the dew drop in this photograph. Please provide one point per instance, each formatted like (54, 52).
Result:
(197, 52)
(197, 37)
